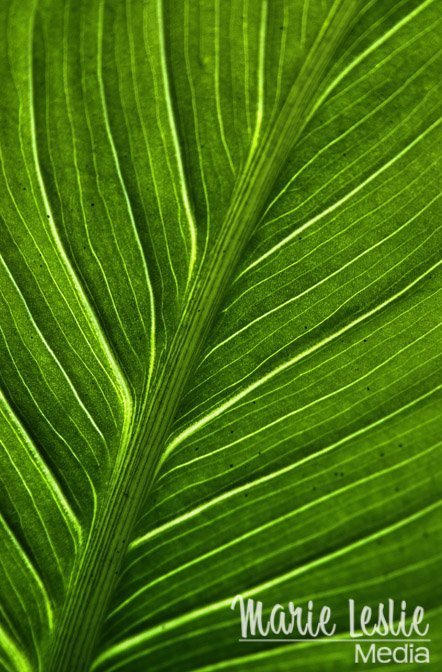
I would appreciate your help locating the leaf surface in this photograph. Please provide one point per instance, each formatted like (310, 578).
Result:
(219, 325)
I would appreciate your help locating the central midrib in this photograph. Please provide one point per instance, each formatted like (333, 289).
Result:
(97, 571)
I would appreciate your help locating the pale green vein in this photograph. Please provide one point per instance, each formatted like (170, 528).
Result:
(219, 114)
(164, 628)
(337, 204)
(266, 527)
(121, 389)
(36, 578)
(360, 121)
(215, 413)
(174, 133)
(15, 652)
(336, 272)
(43, 470)
(260, 104)
(279, 472)
(151, 328)
(375, 45)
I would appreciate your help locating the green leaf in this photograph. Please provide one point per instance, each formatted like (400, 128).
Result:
(218, 325)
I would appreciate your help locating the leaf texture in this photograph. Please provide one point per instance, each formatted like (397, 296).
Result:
(219, 325)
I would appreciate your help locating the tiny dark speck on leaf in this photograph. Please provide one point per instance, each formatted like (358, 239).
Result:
(382, 454)
(368, 388)
(92, 205)
(365, 340)
(400, 445)
(231, 465)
